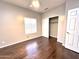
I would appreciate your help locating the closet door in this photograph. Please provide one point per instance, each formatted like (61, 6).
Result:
(71, 34)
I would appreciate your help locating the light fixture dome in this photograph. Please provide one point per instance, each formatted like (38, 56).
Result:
(35, 4)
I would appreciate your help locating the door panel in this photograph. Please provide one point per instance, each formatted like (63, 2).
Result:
(77, 30)
(75, 41)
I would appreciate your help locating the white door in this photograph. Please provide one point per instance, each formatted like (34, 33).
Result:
(76, 33)
(72, 34)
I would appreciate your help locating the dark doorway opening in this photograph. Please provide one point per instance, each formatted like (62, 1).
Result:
(53, 27)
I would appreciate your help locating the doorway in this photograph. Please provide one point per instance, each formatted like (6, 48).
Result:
(53, 27)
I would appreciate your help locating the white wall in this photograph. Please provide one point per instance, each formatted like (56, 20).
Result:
(45, 27)
(62, 29)
(12, 24)
(58, 11)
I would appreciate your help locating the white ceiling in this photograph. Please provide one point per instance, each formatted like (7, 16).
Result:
(44, 4)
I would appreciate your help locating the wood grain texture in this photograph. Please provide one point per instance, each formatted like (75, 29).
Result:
(38, 48)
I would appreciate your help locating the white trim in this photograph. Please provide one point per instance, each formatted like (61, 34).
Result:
(17, 42)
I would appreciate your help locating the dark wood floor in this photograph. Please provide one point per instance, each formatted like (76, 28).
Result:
(39, 48)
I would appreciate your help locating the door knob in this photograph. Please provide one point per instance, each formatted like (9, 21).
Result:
(68, 33)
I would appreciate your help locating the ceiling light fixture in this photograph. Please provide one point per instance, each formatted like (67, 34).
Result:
(35, 4)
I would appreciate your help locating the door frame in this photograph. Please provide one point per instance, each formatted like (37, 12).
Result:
(49, 23)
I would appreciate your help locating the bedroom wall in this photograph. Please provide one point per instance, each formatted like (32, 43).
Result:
(12, 24)
(58, 11)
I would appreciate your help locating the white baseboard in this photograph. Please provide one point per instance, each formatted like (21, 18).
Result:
(16, 42)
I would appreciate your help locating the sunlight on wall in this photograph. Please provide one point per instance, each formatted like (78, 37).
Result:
(62, 18)
(20, 18)
(61, 28)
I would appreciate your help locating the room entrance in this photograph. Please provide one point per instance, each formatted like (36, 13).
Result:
(53, 27)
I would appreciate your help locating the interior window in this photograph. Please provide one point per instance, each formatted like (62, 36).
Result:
(30, 25)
